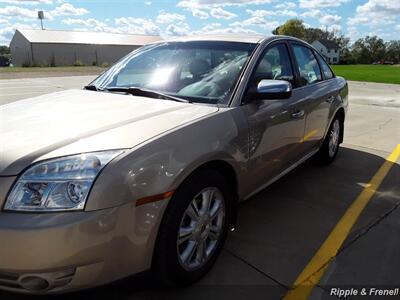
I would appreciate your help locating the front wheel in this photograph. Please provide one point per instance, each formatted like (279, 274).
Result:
(330, 146)
(193, 229)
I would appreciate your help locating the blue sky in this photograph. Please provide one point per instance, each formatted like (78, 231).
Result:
(354, 18)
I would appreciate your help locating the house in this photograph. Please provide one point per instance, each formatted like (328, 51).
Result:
(64, 48)
(329, 50)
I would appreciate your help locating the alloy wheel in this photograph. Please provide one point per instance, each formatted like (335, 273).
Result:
(334, 138)
(201, 228)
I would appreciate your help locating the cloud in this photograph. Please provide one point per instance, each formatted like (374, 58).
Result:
(137, 26)
(313, 13)
(7, 32)
(198, 13)
(128, 25)
(22, 13)
(18, 12)
(373, 12)
(256, 21)
(387, 7)
(166, 18)
(202, 8)
(177, 29)
(330, 20)
(220, 13)
(27, 2)
(90, 24)
(327, 21)
(320, 3)
(232, 29)
(220, 3)
(67, 9)
(286, 5)
(260, 13)
(276, 12)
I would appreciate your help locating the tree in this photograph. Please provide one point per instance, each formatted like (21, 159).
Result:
(393, 51)
(364, 51)
(368, 50)
(376, 47)
(313, 34)
(4, 50)
(360, 52)
(292, 27)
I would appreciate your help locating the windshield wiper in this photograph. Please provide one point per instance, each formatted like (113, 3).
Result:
(145, 93)
(92, 87)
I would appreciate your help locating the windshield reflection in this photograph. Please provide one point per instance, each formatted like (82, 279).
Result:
(202, 71)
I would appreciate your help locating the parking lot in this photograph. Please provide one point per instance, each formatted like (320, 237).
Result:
(280, 229)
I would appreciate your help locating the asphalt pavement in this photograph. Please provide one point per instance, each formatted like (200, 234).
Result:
(281, 229)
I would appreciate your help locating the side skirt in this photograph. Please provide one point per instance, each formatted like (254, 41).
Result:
(292, 167)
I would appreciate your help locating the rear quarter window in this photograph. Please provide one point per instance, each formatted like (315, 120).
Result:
(326, 70)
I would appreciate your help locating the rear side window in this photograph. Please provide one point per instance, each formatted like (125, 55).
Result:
(325, 68)
(308, 65)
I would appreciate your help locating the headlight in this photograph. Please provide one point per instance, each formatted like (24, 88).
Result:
(58, 184)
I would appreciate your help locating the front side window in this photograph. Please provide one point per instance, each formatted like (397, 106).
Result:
(308, 66)
(275, 64)
(199, 71)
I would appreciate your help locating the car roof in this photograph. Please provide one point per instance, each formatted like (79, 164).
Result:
(248, 38)
(243, 38)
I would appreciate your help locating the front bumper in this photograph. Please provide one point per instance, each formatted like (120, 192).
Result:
(59, 252)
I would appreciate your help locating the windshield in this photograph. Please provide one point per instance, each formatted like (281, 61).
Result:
(200, 71)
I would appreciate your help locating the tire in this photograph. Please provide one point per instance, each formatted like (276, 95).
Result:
(330, 147)
(173, 264)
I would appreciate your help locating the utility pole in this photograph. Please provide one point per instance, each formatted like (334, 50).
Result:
(41, 17)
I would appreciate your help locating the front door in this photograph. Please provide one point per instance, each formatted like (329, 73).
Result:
(276, 126)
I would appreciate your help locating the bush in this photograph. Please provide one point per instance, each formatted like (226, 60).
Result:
(78, 63)
(39, 65)
(105, 64)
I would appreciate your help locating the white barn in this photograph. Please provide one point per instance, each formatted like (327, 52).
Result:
(63, 48)
(330, 50)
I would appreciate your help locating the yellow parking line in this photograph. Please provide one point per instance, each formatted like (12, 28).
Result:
(315, 269)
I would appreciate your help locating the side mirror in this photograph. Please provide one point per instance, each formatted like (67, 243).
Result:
(272, 89)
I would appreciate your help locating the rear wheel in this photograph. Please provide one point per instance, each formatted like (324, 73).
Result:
(193, 229)
(330, 146)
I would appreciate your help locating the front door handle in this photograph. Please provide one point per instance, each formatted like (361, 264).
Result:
(330, 99)
(298, 114)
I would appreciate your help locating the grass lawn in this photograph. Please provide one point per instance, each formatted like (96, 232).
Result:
(371, 73)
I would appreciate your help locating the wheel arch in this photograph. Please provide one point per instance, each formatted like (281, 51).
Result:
(342, 114)
(228, 171)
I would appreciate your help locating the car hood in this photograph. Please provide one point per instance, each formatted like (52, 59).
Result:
(78, 121)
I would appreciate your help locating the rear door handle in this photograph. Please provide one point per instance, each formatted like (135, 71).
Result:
(298, 114)
(330, 99)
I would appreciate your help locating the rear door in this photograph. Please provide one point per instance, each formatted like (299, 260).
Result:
(316, 92)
